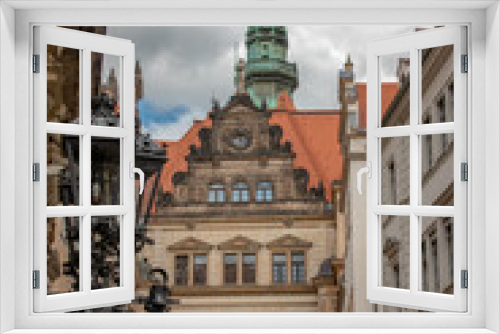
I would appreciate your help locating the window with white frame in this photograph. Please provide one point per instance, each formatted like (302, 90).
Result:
(416, 251)
(84, 172)
(396, 213)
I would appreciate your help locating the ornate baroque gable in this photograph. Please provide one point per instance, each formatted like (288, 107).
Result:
(289, 241)
(190, 244)
(240, 243)
(241, 103)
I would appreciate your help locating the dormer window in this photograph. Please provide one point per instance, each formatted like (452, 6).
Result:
(264, 192)
(241, 192)
(216, 193)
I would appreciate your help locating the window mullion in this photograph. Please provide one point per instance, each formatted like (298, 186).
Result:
(415, 158)
(86, 165)
(86, 252)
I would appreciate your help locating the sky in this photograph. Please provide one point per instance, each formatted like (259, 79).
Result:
(185, 66)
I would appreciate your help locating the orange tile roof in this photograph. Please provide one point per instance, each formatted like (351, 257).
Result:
(314, 138)
(285, 102)
(389, 90)
(314, 135)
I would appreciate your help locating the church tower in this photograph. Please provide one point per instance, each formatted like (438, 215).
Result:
(267, 71)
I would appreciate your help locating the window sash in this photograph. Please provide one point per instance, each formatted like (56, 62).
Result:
(280, 268)
(181, 270)
(199, 269)
(230, 268)
(414, 298)
(86, 297)
(249, 268)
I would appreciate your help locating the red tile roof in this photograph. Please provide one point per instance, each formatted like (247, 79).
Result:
(389, 90)
(285, 102)
(314, 138)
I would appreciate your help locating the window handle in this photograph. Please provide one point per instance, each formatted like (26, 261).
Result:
(134, 170)
(368, 171)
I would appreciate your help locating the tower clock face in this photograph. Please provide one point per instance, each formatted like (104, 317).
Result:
(239, 139)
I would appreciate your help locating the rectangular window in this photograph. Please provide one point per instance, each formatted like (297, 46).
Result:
(181, 270)
(279, 268)
(409, 252)
(230, 268)
(298, 267)
(248, 268)
(216, 193)
(200, 269)
(264, 192)
(84, 197)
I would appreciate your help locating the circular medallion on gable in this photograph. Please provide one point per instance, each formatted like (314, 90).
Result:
(239, 139)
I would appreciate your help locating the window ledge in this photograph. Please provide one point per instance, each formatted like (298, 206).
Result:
(252, 331)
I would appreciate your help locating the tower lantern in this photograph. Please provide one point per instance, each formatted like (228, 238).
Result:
(268, 72)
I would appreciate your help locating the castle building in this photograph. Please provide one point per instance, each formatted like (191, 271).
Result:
(303, 160)
(241, 223)
(256, 207)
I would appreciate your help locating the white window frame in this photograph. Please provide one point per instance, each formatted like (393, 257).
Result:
(415, 210)
(484, 211)
(85, 43)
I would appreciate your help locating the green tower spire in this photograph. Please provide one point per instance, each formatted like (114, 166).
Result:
(267, 70)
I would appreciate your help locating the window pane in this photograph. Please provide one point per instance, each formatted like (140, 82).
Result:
(437, 254)
(105, 171)
(395, 246)
(63, 84)
(395, 108)
(437, 84)
(259, 196)
(244, 196)
(63, 170)
(279, 268)
(249, 268)
(63, 255)
(437, 169)
(106, 85)
(105, 247)
(200, 269)
(269, 195)
(395, 176)
(181, 270)
(298, 267)
(221, 196)
(230, 268)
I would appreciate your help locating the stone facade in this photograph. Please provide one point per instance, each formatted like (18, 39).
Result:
(241, 147)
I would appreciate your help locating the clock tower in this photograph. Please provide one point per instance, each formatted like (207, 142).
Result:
(267, 71)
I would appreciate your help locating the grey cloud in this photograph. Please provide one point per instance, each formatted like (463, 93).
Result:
(186, 65)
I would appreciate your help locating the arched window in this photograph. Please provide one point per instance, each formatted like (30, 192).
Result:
(216, 193)
(240, 192)
(264, 192)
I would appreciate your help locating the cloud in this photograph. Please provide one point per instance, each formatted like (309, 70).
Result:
(174, 130)
(154, 114)
(167, 123)
(183, 67)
